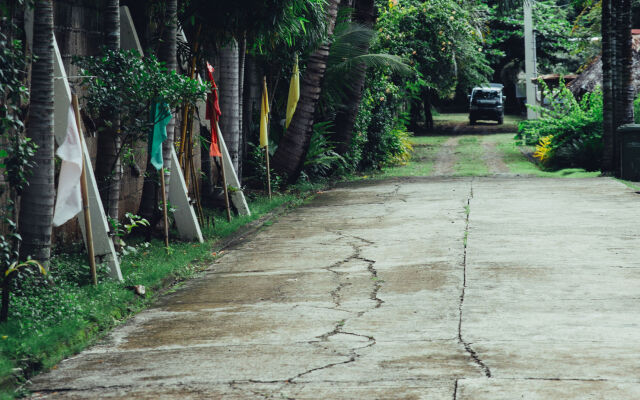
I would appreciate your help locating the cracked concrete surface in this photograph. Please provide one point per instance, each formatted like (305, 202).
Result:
(426, 288)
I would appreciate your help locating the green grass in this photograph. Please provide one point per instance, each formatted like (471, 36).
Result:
(520, 164)
(422, 159)
(469, 160)
(53, 319)
(630, 184)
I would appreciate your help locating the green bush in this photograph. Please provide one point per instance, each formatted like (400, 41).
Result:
(569, 132)
(380, 136)
(321, 157)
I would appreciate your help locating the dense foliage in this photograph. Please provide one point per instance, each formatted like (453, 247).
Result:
(126, 84)
(569, 132)
(554, 46)
(441, 39)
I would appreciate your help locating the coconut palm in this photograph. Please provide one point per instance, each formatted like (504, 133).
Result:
(623, 84)
(364, 13)
(168, 54)
(290, 155)
(36, 208)
(608, 157)
(229, 85)
(108, 165)
(618, 92)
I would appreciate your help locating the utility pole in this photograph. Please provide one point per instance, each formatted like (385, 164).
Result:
(530, 57)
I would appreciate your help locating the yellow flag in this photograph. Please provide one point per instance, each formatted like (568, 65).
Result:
(294, 93)
(264, 115)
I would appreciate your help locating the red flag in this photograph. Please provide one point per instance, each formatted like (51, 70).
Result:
(213, 114)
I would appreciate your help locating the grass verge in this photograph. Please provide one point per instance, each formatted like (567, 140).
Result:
(53, 318)
(519, 164)
(425, 149)
(469, 158)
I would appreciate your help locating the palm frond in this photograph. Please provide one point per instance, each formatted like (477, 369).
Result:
(379, 60)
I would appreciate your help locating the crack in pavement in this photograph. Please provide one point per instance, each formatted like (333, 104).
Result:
(467, 346)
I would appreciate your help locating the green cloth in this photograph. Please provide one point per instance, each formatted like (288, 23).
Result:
(160, 116)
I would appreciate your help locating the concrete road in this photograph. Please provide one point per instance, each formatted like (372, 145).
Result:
(488, 288)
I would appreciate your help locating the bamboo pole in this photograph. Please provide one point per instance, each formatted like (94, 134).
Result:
(164, 209)
(85, 198)
(181, 153)
(266, 147)
(266, 155)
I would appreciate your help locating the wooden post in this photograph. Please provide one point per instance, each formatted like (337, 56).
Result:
(164, 209)
(266, 146)
(224, 177)
(266, 154)
(85, 197)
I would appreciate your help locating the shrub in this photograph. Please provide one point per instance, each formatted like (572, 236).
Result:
(569, 132)
(380, 135)
(321, 157)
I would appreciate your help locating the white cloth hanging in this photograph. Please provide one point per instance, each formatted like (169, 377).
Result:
(69, 197)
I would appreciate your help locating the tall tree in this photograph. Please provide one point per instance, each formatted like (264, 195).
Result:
(229, 99)
(623, 89)
(608, 134)
(168, 53)
(36, 208)
(292, 150)
(108, 165)
(364, 13)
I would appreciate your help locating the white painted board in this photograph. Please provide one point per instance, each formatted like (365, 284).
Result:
(102, 243)
(184, 215)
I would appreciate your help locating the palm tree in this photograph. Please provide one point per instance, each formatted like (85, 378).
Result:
(364, 13)
(108, 165)
(168, 54)
(292, 150)
(608, 165)
(229, 99)
(623, 84)
(36, 208)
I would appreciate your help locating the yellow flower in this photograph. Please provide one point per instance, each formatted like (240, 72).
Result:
(543, 149)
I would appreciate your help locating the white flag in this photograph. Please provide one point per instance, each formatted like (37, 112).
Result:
(69, 199)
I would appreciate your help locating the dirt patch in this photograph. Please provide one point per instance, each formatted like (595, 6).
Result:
(446, 158)
(493, 159)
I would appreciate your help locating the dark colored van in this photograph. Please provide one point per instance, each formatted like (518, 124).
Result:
(486, 103)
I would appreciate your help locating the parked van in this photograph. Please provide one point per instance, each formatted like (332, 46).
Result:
(487, 103)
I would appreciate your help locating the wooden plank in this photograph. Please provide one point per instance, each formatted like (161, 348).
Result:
(103, 245)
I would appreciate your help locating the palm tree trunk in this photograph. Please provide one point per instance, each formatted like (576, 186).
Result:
(167, 53)
(229, 99)
(623, 91)
(108, 165)
(346, 118)
(36, 210)
(250, 102)
(292, 150)
(428, 115)
(607, 88)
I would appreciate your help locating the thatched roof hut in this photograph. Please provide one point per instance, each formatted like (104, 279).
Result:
(591, 77)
